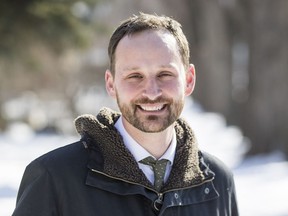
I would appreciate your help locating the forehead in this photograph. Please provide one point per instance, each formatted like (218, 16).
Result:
(158, 41)
(150, 36)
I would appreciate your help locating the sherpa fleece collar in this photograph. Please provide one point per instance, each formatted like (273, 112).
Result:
(118, 162)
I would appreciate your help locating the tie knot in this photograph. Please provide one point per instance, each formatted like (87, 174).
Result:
(159, 168)
(153, 162)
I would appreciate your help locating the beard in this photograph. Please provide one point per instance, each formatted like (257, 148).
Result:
(151, 123)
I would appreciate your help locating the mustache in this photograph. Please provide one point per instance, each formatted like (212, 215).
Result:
(160, 99)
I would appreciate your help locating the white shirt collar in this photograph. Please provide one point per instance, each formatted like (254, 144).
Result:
(138, 151)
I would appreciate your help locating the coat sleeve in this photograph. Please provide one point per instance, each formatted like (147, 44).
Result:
(36, 195)
(224, 183)
(234, 206)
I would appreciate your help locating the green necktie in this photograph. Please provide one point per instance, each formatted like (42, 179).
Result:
(159, 168)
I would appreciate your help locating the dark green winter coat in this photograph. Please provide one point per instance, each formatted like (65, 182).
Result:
(98, 176)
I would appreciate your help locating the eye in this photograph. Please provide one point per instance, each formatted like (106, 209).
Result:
(135, 76)
(165, 74)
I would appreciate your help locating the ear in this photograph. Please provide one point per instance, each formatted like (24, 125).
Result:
(109, 80)
(190, 80)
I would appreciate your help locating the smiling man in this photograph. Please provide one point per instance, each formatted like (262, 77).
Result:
(143, 160)
(150, 85)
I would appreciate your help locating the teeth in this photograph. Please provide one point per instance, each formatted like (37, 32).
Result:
(152, 108)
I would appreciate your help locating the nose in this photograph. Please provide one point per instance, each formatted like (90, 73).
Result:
(152, 89)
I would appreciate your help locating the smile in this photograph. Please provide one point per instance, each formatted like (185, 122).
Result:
(152, 108)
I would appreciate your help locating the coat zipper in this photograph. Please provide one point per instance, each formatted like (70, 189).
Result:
(126, 181)
(159, 200)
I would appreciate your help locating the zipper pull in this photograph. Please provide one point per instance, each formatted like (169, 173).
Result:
(158, 202)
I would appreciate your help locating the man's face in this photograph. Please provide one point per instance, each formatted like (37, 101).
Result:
(150, 82)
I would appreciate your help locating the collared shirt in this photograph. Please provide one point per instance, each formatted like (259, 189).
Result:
(140, 153)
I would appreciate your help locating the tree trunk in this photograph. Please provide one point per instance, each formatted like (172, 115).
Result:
(265, 121)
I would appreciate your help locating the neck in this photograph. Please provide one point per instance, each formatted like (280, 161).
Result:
(155, 143)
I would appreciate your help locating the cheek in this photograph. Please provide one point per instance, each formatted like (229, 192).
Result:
(129, 88)
(126, 92)
(175, 88)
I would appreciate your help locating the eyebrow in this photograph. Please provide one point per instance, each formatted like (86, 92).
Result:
(138, 68)
(167, 66)
(131, 68)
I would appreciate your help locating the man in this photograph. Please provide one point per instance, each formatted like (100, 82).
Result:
(111, 170)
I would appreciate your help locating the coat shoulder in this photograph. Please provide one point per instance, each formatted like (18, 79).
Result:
(220, 169)
(65, 156)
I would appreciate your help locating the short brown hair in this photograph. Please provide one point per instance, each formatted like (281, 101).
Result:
(144, 22)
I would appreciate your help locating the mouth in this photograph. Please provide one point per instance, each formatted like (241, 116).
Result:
(152, 107)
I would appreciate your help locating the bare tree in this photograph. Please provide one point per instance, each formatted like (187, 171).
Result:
(265, 118)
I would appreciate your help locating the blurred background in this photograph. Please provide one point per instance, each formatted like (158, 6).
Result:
(54, 52)
(53, 55)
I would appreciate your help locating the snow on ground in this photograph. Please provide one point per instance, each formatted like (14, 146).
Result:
(261, 182)
(262, 185)
(15, 155)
